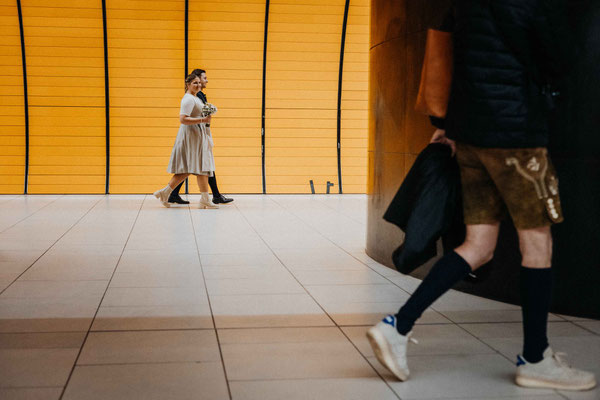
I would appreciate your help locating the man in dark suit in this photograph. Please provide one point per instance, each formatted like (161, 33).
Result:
(217, 198)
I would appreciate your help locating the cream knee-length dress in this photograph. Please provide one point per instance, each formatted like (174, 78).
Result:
(192, 151)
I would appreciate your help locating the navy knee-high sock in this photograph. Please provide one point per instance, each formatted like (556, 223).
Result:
(175, 191)
(443, 275)
(212, 182)
(536, 295)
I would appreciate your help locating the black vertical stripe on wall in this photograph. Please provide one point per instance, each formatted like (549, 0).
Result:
(106, 98)
(26, 102)
(339, 102)
(186, 57)
(264, 82)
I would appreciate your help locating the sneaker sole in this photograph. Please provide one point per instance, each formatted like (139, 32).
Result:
(540, 383)
(382, 352)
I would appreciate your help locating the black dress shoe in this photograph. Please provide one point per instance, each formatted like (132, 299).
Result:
(177, 199)
(221, 199)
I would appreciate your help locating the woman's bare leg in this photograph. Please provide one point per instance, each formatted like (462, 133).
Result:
(202, 183)
(177, 179)
(204, 199)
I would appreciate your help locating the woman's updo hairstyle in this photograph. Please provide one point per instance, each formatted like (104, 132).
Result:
(189, 80)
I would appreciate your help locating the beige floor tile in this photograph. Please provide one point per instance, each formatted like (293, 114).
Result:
(367, 293)
(518, 397)
(194, 316)
(239, 260)
(406, 282)
(7, 243)
(295, 360)
(15, 262)
(30, 393)
(89, 249)
(145, 244)
(6, 280)
(593, 394)
(384, 270)
(179, 381)
(346, 314)
(573, 318)
(62, 340)
(150, 347)
(36, 367)
(367, 313)
(140, 261)
(362, 256)
(159, 278)
(55, 290)
(59, 266)
(593, 326)
(339, 277)
(128, 297)
(268, 285)
(246, 272)
(515, 329)
(233, 245)
(459, 376)
(320, 259)
(267, 310)
(280, 335)
(24, 315)
(105, 233)
(433, 340)
(68, 273)
(314, 389)
(454, 300)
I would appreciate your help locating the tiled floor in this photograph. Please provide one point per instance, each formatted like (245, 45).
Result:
(116, 297)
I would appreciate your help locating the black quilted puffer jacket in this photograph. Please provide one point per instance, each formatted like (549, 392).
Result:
(506, 53)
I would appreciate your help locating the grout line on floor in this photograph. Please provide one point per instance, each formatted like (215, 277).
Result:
(212, 315)
(39, 209)
(311, 296)
(101, 300)
(53, 244)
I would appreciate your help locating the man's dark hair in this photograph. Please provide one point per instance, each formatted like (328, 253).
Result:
(198, 72)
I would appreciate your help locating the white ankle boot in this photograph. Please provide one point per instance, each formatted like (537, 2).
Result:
(163, 195)
(205, 201)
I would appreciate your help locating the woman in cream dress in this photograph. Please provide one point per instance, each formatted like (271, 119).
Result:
(192, 151)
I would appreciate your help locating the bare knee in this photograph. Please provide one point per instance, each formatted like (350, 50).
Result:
(476, 253)
(479, 245)
(536, 247)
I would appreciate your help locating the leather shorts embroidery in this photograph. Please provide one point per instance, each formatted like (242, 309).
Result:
(518, 182)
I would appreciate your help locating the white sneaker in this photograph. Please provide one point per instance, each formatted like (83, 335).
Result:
(390, 347)
(163, 196)
(552, 372)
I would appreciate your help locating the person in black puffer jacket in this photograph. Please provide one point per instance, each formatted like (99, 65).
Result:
(507, 56)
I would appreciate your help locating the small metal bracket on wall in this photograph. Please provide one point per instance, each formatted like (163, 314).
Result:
(312, 186)
(329, 184)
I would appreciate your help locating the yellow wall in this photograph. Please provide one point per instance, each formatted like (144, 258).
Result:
(355, 98)
(65, 75)
(146, 50)
(12, 111)
(146, 56)
(226, 39)
(303, 55)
